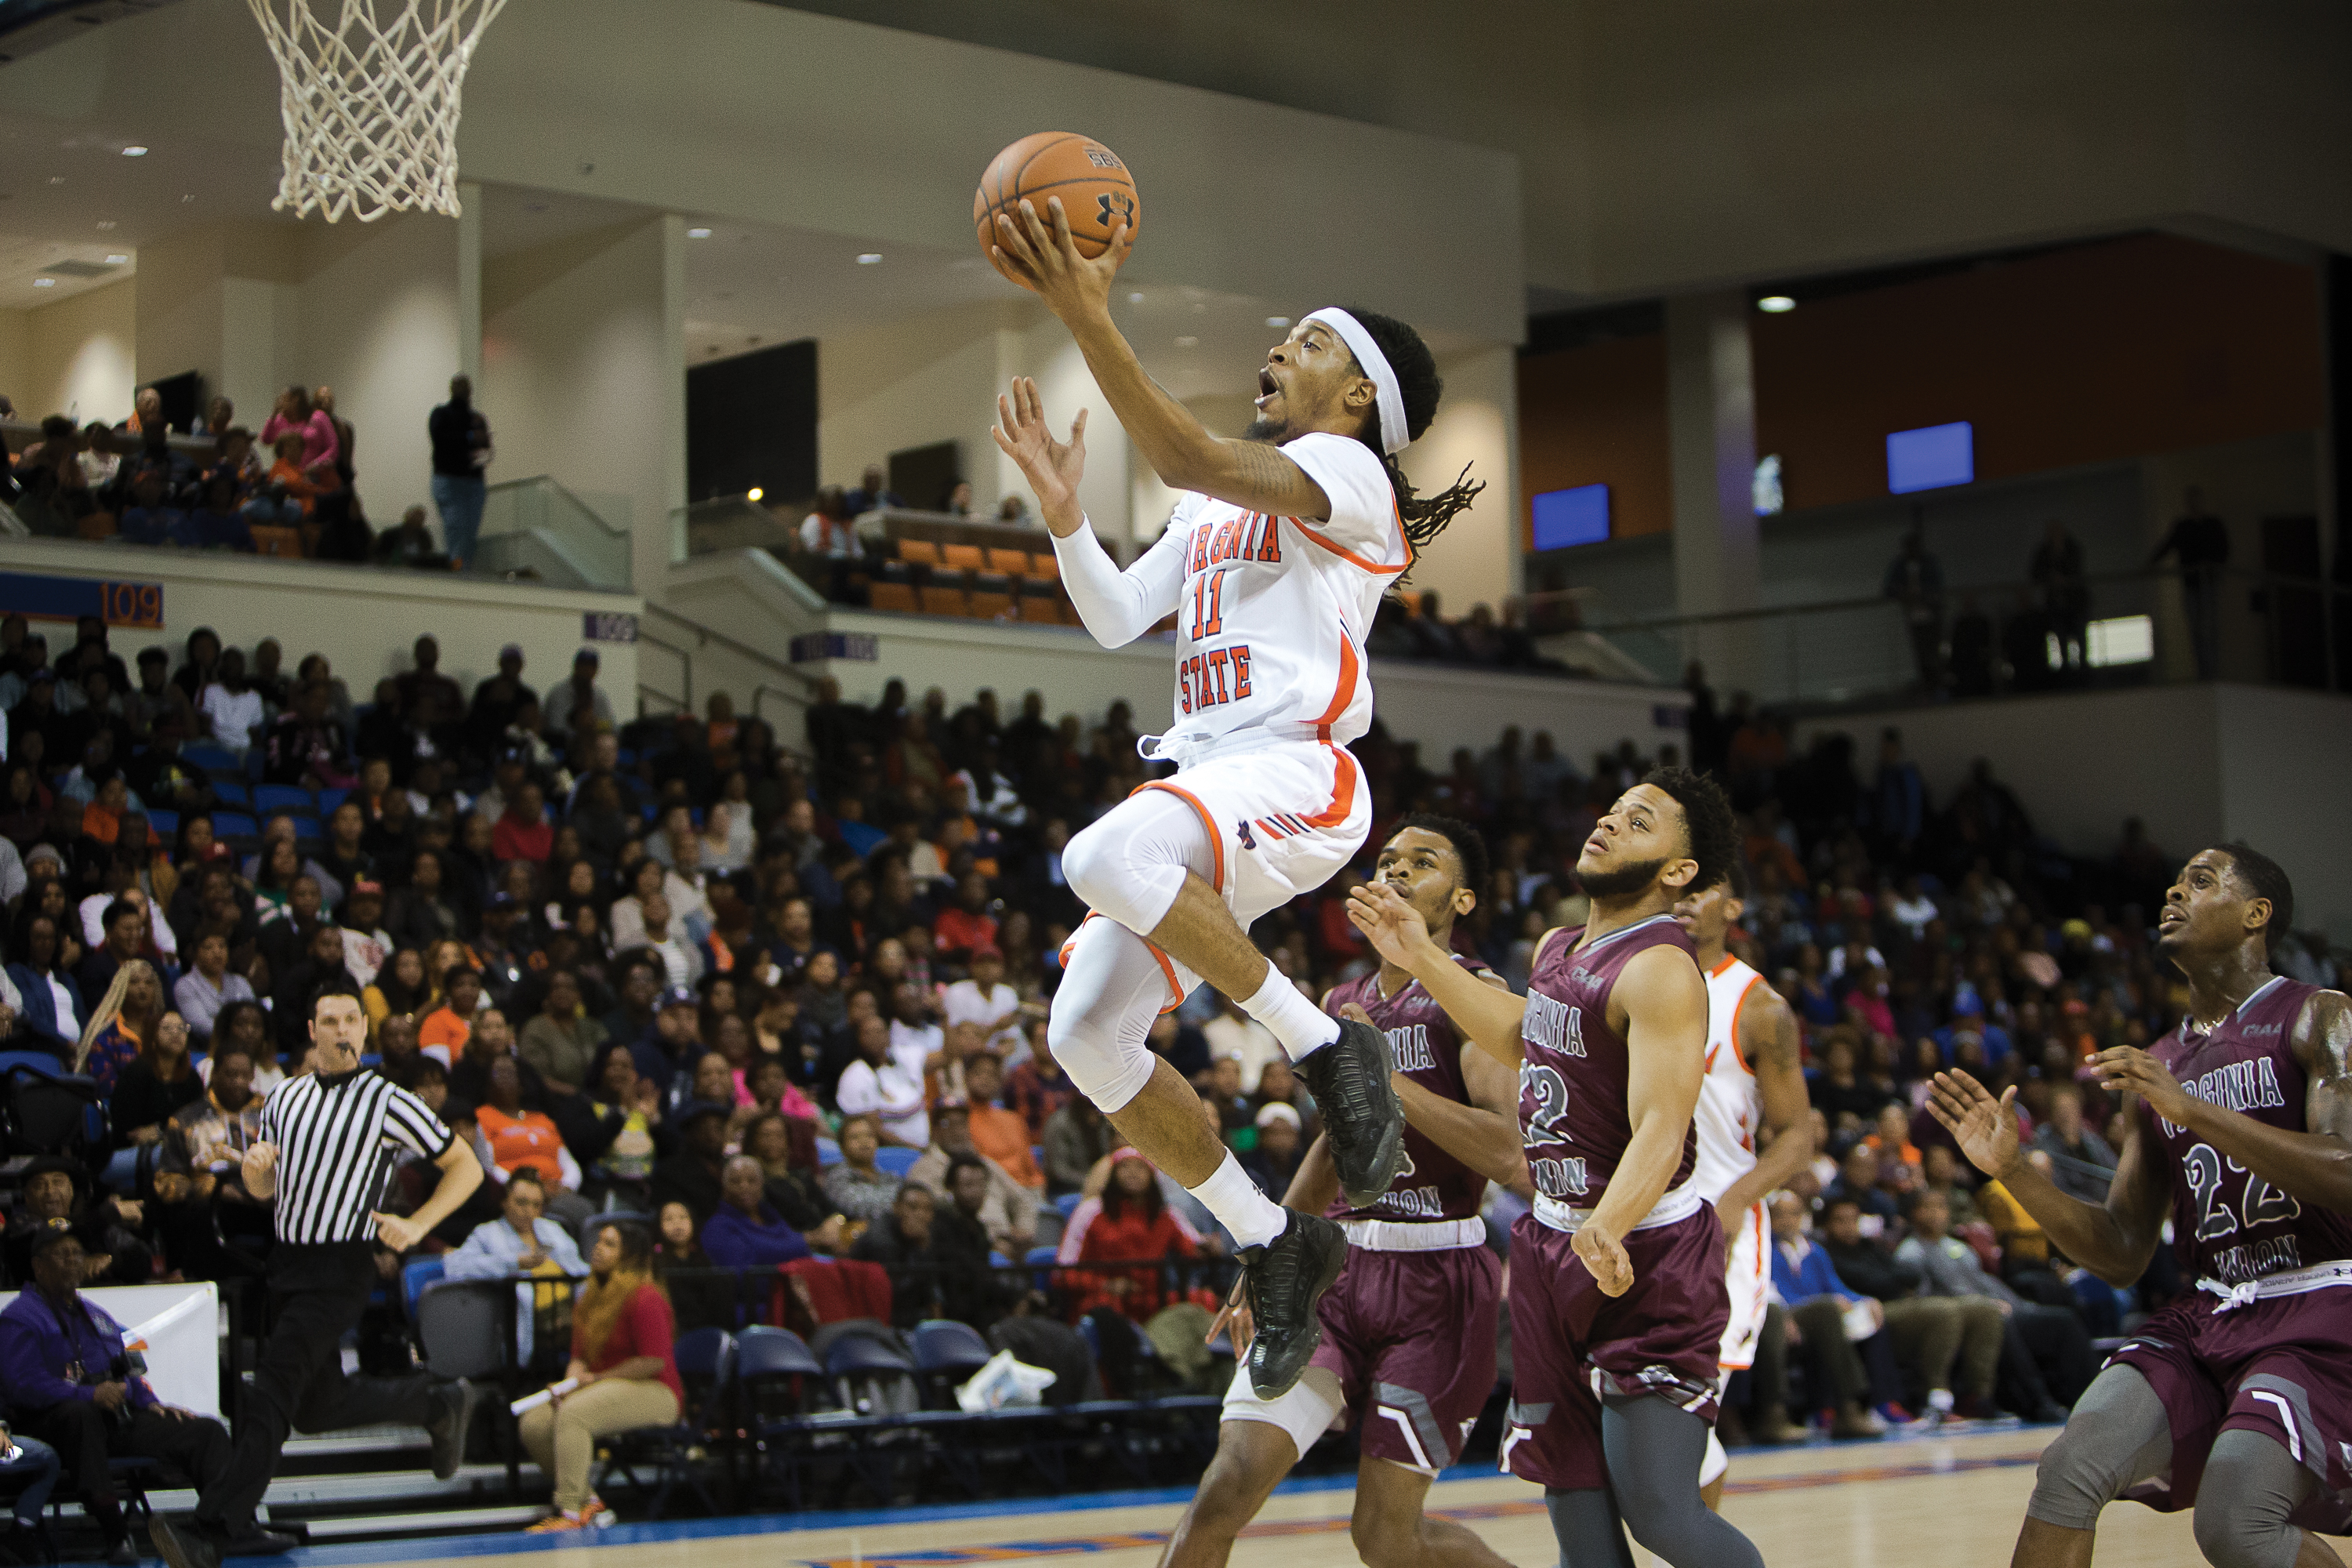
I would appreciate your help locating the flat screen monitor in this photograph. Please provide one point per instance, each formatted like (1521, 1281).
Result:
(1578, 516)
(1930, 457)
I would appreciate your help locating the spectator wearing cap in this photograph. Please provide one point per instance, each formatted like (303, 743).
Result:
(1009, 1211)
(54, 1188)
(695, 1175)
(985, 999)
(503, 949)
(68, 1381)
(579, 693)
(746, 1231)
(1279, 1149)
(998, 1134)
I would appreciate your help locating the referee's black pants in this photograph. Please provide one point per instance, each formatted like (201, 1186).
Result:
(317, 1293)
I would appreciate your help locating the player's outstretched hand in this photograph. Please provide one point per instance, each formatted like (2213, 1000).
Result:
(2133, 1070)
(1392, 926)
(1985, 1128)
(1602, 1254)
(1034, 243)
(1051, 468)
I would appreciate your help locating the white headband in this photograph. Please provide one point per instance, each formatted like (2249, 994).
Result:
(1375, 365)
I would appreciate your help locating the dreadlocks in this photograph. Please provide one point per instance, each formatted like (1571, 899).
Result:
(1424, 517)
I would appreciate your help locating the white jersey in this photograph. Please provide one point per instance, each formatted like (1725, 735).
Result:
(1729, 1110)
(1271, 612)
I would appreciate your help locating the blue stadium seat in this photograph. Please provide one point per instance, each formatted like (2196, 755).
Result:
(210, 758)
(230, 793)
(231, 824)
(829, 1153)
(895, 1162)
(416, 1276)
(166, 823)
(328, 799)
(307, 829)
(1067, 1202)
(272, 797)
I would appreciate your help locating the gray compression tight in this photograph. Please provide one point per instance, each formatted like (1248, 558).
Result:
(1653, 1452)
(2119, 1436)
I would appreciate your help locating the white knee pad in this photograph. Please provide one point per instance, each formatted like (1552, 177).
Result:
(1131, 865)
(1112, 988)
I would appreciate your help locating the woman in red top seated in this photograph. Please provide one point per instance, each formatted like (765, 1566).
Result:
(624, 1361)
(523, 831)
(1133, 1227)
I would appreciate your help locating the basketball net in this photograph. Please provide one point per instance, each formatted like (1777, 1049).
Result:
(370, 107)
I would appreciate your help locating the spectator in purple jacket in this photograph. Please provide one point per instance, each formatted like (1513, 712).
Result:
(748, 1233)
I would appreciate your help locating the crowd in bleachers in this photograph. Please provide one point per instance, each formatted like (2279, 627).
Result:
(784, 996)
(290, 491)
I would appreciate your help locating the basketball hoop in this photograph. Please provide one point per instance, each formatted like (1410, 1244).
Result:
(371, 109)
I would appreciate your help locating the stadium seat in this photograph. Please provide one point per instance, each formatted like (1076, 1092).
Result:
(1040, 612)
(1045, 566)
(461, 1325)
(228, 792)
(992, 606)
(896, 597)
(895, 1162)
(1009, 562)
(232, 824)
(1068, 1204)
(944, 601)
(307, 830)
(328, 799)
(166, 823)
(918, 552)
(414, 1275)
(680, 1450)
(272, 797)
(283, 542)
(829, 1153)
(207, 757)
(963, 557)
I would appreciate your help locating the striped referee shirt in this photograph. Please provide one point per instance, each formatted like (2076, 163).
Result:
(337, 1139)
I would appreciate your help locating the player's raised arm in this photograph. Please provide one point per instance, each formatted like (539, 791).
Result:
(2114, 1240)
(1180, 448)
(2314, 1167)
(1489, 1015)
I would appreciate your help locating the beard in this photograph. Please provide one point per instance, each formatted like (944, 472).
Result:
(1269, 431)
(1621, 880)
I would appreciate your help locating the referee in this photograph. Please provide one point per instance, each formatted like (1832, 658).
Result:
(326, 1146)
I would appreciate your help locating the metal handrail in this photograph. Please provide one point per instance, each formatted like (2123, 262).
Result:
(564, 490)
(686, 660)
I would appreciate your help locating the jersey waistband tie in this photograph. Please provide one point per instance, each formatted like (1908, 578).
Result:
(2287, 1282)
(1680, 1203)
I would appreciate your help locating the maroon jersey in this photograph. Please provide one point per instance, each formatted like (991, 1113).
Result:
(1426, 1049)
(2229, 1223)
(1572, 1085)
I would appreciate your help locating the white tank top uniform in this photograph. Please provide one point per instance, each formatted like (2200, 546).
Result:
(1271, 683)
(1730, 1112)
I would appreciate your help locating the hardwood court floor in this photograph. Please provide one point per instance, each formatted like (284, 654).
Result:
(1925, 1502)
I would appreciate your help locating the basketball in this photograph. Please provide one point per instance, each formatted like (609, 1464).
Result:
(1097, 191)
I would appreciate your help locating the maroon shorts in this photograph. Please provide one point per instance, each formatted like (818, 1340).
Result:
(1411, 1336)
(2281, 1367)
(1572, 1346)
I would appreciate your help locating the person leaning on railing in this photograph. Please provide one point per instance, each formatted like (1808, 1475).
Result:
(623, 1372)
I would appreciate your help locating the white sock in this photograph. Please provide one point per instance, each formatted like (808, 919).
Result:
(1254, 1218)
(1298, 1023)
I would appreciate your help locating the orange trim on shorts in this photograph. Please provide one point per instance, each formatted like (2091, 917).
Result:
(1216, 838)
(1166, 968)
(1343, 789)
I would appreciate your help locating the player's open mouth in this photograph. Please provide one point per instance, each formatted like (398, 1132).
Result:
(1267, 388)
(1597, 845)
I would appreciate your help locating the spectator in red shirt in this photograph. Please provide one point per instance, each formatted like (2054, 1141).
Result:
(624, 1367)
(523, 832)
(966, 926)
(1133, 1227)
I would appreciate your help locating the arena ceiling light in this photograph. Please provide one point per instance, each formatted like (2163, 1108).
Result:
(697, 234)
(870, 258)
(1278, 321)
(117, 260)
(1775, 304)
(134, 151)
(45, 282)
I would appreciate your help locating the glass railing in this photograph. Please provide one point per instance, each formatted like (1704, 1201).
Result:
(537, 528)
(729, 523)
(2134, 629)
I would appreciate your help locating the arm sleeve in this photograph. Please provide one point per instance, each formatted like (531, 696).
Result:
(409, 1120)
(1119, 607)
(473, 1260)
(1363, 517)
(26, 1374)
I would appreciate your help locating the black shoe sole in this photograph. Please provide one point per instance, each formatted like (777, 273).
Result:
(446, 1465)
(1284, 1376)
(1369, 1181)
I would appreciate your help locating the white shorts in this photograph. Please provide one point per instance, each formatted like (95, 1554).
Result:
(1314, 1405)
(1286, 817)
(1748, 1273)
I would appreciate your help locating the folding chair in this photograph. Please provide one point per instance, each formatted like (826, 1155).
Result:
(770, 1361)
(705, 1366)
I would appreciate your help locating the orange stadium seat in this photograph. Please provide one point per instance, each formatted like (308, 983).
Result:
(964, 557)
(1009, 562)
(944, 602)
(918, 552)
(1041, 612)
(1045, 566)
(992, 606)
(894, 596)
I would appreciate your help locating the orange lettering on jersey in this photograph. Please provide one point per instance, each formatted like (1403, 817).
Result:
(1240, 672)
(1201, 549)
(1217, 659)
(1270, 545)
